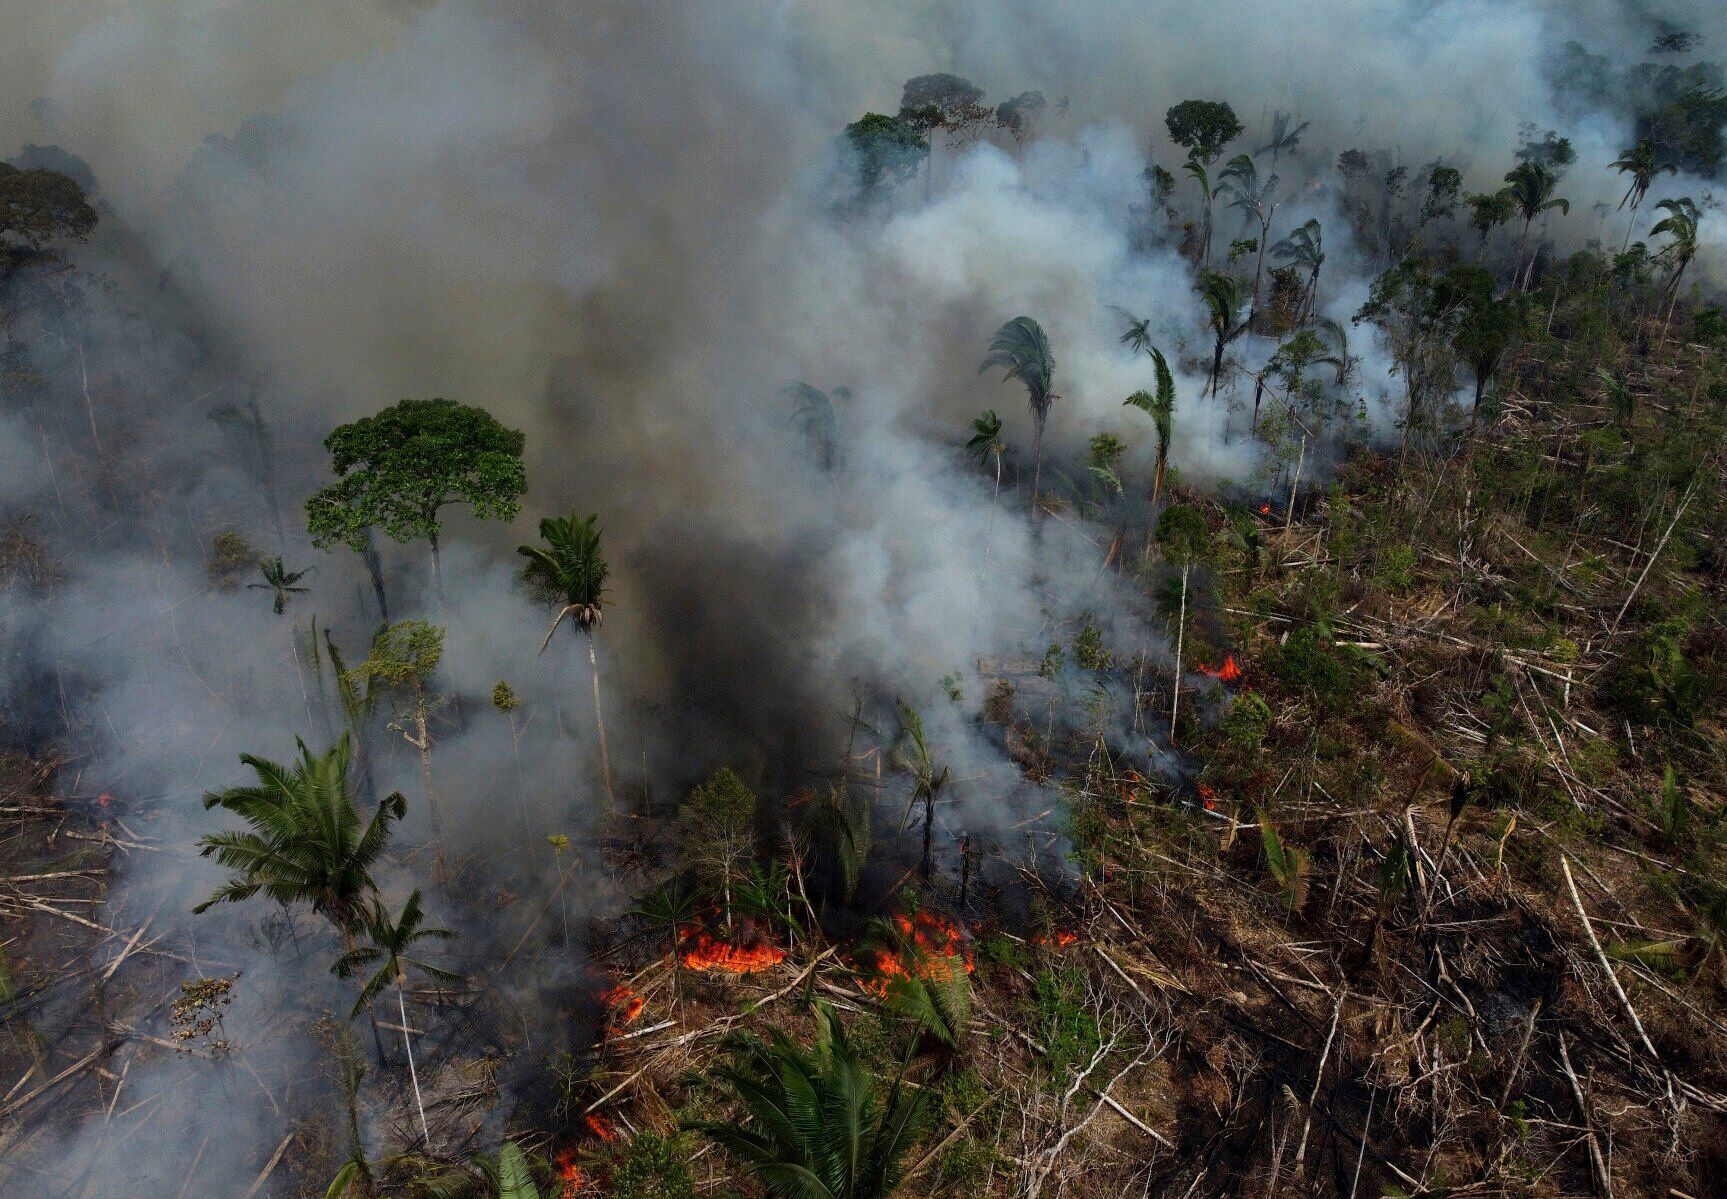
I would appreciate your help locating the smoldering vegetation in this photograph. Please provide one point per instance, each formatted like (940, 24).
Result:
(744, 327)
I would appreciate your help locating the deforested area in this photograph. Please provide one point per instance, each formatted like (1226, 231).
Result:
(834, 601)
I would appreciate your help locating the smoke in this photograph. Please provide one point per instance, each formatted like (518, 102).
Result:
(612, 225)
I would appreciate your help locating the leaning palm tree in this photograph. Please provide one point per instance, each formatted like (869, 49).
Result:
(1304, 248)
(1530, 186)
(1285, 138)
(986, 442)
(280, 579)
(388, 951)
(1257, 200)
(1021, 347)
(1639, 162)
(570, 571)
(815, 1122)
(1680, 226)
(1221, 295)
(306, 843)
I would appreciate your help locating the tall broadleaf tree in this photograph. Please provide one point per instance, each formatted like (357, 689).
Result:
(398, 470)
(1202, 128)
(306, 842)
(1021, 348)
(569, 570)
(389, 941)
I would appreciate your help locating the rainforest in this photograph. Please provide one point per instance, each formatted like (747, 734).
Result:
(790, 599)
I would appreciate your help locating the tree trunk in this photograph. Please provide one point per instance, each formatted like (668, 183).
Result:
(600, 718)
(1630, 224)
(1517, 276)
(413, 1073)
(994, 499)
(375, 569)
(928, 828)
(1216, 365)
(1037, 455)
(1156, 493)
(1258, 269)
(437, 570)
(1180, 630)
(424, 745)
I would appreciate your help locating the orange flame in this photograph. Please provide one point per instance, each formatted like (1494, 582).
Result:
(569, 1172)
(625, 1006)
(600, 1127)
(933, 943)
(1265, 509)
(1061, 938)
(1207, 795)
(1227, 673)
(704, 952)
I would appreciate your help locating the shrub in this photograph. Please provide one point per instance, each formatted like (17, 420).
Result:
(651, 1166)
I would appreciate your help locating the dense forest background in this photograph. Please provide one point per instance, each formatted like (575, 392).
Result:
(1257, 732)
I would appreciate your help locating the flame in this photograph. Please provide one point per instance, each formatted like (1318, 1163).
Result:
(1208, 796)
(600, 1127)
(701, 951)
(933, 946)
(1227, 673)
(569, 1172)
(1265, 509)
(625, 1004)
(1061, 938)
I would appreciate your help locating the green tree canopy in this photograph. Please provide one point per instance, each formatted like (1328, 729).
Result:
(397, 469)
(888, 151)
(1181, 534)
(38, 207)
(1202, 127)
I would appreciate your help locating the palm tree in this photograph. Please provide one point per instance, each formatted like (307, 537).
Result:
(1680, 225)
(1221, 295)
(986, 442)
(1161, 408)
(815, 1123)
(571, 571)
(1530, 186)
(1639, 162)
(1195, 168)
(390, 942)
(814, 415)
(1304, 248)
(1257, 202)
(307, 843)
(667, 910)
(912, 755)
(280, 579)
(1021, 348)
(1284, 137)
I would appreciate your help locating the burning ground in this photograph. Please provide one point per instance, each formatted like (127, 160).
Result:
(1292, 767)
